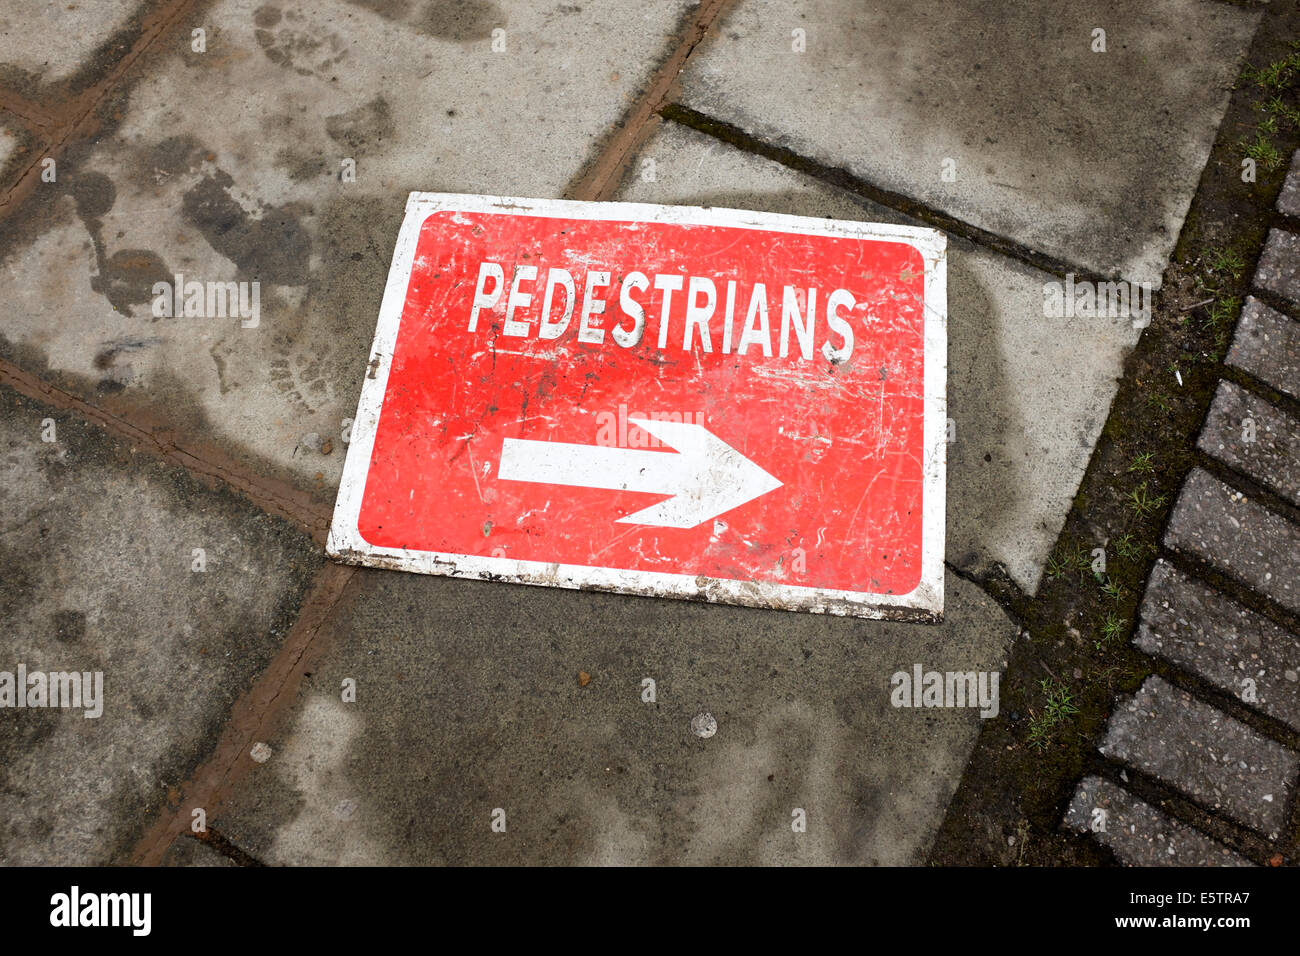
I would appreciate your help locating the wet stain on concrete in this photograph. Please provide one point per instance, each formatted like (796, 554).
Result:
(127, 278)
(173, 155)
(302, 166)
(267, 16)
(69, 626)
(94, 194)
(362, 129)
(16, 581)
(272, 248)
(461, 21)
(288, 41)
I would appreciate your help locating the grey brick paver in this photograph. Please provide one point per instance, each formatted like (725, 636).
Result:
(1222, 526)
(1203, 752)
(1267, 345)
(1279, 265)
(1186, 622)
(1246, 432)
(1288, 201)
(1140, 834)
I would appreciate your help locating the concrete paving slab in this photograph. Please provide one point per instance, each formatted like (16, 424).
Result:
(1140, 834)
(1279, 265)
(42, 41)
(1191, 625)
(1213, 758)
(1267, 345)
(473, 697)
(235, 165)
(1239, 537)
(1024, 430)
(1246, 432)
(1048, 143)
(97, 574)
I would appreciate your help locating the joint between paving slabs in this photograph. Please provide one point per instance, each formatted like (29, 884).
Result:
(1260, 389)
(253, 718)
(850, 182)
(1253, 489)
(1001, 589)
(277, 498)
(222, 844)
(71, 118)
(601, 177)
(27, 113)
(1213, 694)
(1232, 588)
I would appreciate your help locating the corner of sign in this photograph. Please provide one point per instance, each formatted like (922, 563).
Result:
(932, 244)
(333, 548)
(928, 595)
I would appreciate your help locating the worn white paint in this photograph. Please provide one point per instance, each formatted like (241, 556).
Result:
(705, 476)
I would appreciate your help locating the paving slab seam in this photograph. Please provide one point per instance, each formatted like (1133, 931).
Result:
(843, 179)
(1286, 220)
(29, 113)
(75, 119)
(274, 497)
(1196, 813)
(1215, 578)
(251, 718)
(997, 584)
(1196, 685)
(1239, 591)
(603, 175)
(1197, 750)
(225, 846)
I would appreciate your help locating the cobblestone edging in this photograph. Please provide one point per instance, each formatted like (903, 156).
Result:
(1190, 745)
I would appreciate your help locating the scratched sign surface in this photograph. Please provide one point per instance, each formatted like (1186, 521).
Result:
(736, 406)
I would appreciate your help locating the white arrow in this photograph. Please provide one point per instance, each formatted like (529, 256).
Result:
(706, 478)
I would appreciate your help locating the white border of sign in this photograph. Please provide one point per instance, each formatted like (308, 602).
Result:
(924, 603)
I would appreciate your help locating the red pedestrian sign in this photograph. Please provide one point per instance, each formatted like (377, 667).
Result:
(740, 407)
